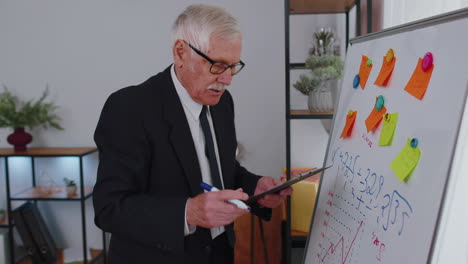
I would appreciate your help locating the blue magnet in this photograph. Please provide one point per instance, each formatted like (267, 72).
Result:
(356, 81)
(414, 142)
(380, 103)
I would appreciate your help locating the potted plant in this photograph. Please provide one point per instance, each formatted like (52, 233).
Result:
(326, 68)
(70, 186)
(18, 114)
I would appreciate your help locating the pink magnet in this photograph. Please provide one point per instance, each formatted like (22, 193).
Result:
(427, 61)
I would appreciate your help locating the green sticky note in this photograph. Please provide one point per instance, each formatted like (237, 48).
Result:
(388, 129)
(406, 161)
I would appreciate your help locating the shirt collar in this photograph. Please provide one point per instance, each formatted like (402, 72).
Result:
(193, 107)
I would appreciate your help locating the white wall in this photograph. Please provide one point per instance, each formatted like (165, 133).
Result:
(87, 49)
(398, 12)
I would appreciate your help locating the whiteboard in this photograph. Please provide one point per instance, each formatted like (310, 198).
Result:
(364, 213)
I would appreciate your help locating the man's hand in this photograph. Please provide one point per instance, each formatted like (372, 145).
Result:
(210, 209)
(271, 200)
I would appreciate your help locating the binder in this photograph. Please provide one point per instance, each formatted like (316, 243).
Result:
(34, 233)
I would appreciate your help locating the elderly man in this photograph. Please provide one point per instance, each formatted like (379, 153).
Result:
(159, 140)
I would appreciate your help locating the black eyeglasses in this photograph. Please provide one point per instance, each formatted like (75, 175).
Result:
(219, 67)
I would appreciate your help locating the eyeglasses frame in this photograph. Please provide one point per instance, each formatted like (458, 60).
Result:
(203, 55)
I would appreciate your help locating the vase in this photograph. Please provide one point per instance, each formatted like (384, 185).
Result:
(19, 139)
(320, 100)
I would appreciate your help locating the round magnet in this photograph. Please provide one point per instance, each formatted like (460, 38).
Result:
(389, 56)
(387, 117)
(379, 103)
(414, 142)
(356, 81)
(427, 61)
(369, 62)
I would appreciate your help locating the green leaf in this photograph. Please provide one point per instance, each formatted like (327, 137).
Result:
(323, 68)
(15, 113)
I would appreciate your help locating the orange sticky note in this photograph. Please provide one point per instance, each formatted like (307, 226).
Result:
(385, 72)
(364, 71)
(419, 81)
(350, 118)
(375, 117)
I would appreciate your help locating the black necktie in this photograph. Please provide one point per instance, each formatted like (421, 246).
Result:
(209, 149)
(211, 155)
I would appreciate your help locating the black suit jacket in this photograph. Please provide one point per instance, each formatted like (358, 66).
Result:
(148, 168)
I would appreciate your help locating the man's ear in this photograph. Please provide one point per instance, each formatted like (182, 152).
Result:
(179, 53)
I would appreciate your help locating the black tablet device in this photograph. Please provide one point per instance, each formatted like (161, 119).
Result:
(286, 184)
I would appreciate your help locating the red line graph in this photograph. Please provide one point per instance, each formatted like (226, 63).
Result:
(332, 248)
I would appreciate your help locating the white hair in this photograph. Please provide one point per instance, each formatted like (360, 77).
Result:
(199, 22)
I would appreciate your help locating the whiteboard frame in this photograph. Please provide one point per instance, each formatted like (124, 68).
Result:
(444, 209)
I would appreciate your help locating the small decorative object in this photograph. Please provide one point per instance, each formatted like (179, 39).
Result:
(18, 114)
(327, 67)
(70, 186)
(47, 183)
(2, 215)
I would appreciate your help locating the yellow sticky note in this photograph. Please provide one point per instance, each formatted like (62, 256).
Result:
(406, 161)
(388, 129)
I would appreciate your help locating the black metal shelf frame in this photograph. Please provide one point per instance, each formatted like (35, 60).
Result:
(82, 199)
(299, 241)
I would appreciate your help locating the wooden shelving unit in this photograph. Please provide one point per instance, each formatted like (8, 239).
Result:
(41, 193)
(44, 152)
(50, 193)
(294, 238)
(320, 6)
(4, 222)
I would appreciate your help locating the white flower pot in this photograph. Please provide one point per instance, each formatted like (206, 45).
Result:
(320, 100)
(71, 190)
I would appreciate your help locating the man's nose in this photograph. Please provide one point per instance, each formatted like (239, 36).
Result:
(225, 78)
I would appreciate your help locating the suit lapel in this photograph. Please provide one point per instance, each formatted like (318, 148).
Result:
(180, 135)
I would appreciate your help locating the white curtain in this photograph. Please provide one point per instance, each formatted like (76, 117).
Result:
(396, 12)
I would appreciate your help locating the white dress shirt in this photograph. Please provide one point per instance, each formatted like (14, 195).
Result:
(192, 111)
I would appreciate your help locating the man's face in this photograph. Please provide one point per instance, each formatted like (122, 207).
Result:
(203, 86)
